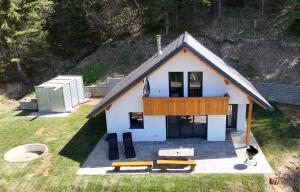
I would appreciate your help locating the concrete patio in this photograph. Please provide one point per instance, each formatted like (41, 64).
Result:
(211, 157)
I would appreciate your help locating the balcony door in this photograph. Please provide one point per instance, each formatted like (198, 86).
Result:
(195, 84)
(175, 84)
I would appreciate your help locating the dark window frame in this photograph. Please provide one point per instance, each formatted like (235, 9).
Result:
(201, 88)
(182, 74)
(131, 119)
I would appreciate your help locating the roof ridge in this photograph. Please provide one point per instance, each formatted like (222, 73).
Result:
(185, 36)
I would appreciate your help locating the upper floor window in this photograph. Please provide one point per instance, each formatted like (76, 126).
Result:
(136, 120)
(175, 84)
(195, 84)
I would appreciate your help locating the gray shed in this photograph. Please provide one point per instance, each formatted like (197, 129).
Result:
(60, 94)
(79, 84)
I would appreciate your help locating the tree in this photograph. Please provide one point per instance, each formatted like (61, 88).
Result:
(22, 32)
(174, 15)
(294, 27)
(68, 28)
(112, 18)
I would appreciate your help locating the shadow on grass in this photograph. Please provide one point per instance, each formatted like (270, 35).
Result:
(272, 125)
(84, 141)
(23, 112)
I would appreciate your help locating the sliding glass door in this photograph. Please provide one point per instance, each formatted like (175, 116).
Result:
(186, 126)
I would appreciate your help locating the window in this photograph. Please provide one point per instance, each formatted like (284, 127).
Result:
(176, 84)
(195, 84)
(136, 120)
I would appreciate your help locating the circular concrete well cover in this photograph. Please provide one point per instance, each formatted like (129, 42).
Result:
(26, 152)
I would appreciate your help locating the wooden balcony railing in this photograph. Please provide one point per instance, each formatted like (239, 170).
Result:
(182, 106)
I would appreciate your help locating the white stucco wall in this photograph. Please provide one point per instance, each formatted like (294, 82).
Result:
(216, 128)
(117, 117)
(213, 85)
(241, 117)
(236, 96)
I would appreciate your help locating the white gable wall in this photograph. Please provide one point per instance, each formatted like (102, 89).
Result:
(117, 116)
(213, 85)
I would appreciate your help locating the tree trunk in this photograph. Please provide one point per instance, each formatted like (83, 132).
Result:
(262, 8)
(22, 73)
(19, 68)
(195, 11)
(176, 15)
(220, 11)
(167, 23)
(23, 76)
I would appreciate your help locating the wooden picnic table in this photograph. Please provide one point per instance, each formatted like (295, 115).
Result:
(176, 153)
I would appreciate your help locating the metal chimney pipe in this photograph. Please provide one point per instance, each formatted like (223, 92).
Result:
(158, 39)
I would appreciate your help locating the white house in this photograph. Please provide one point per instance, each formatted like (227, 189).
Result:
(193, 93)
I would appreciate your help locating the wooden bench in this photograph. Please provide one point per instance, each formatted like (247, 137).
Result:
(163, 163)
(118, 165)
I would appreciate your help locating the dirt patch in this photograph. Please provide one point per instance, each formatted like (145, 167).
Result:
(93, 101)
(46, 164)
(289, 175)
(43, 168)
(45, 134)
(292, 112)
(7, 104)
(15, 90)
(234, 186)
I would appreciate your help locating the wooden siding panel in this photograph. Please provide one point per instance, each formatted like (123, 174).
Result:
(186, 105)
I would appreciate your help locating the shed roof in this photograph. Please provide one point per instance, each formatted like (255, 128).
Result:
(58, 81)
(183, 41)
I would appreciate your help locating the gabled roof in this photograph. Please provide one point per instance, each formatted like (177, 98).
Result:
(183, 41)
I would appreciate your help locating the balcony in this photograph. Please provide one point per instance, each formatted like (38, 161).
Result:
(183, 106)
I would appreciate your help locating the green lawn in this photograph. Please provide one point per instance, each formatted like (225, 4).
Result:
(275, 135)
(71, 139)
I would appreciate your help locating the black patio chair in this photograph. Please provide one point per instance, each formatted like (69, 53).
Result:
(113, 150)
(128, 145)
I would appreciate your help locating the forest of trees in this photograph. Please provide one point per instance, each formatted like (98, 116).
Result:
(32, 31)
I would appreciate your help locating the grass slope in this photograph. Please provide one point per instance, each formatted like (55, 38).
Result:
(71, 139)
(275, 134)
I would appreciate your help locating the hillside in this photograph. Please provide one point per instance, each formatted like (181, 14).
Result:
(263, 60)
(96, 39)
(268, 52)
